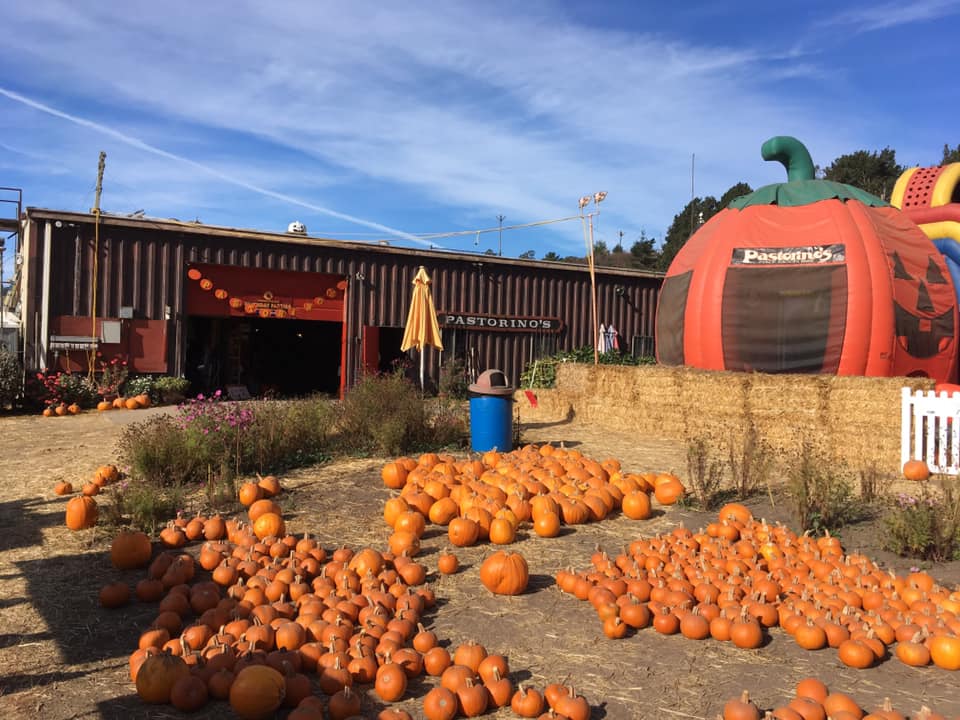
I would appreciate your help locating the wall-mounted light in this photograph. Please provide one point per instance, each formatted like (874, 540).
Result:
(619, 290)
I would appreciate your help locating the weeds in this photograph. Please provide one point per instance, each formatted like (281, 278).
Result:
(873, 483)
(749, 459)
(143, 504)
(926, 525)
(704, 473)
(822, 500)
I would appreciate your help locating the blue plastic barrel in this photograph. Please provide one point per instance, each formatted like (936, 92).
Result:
(491, 423)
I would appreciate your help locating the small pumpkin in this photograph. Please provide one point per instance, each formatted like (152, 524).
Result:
(269, 524)
(916, 470)
(82, 512)
(63, 488)
(440, 704)
(447, 563)
(103, 405)
(741, 708)
(115, 595)
(505, 573)
(636, 505)
(249, 493)
(391, 682)
(189, 694)
(131, 404)
(270, 485)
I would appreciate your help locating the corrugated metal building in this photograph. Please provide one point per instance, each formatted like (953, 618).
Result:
(225, 306)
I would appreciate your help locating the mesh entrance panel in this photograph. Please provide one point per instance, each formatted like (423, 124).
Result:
(670, 313)
(784, 320)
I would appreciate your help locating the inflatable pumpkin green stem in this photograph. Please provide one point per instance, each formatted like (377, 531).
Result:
(792, 154)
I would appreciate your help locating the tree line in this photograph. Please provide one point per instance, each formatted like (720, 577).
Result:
(876, 172)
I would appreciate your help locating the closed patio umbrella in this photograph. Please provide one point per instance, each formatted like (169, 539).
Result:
(422, 326)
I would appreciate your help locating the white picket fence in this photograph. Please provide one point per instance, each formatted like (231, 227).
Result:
(930, 430)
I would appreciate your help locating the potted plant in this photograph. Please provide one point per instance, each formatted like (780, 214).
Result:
(171, 389)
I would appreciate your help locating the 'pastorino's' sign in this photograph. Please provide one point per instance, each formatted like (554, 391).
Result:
(502, 323)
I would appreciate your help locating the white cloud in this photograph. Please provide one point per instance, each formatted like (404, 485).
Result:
(473, 109)
(893, 14)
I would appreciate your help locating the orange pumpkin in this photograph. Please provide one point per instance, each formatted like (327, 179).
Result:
(257, 692)
(269, 524)
(505, 573)
(82, 512)
(130, 550)
(916, 470)
(157, 675)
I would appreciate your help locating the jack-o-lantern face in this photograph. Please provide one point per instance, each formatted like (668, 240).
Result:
(923, 307)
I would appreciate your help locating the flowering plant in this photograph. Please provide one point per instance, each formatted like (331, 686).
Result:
(925, 525)
(217, 430)
(66, 388)
(111, 374)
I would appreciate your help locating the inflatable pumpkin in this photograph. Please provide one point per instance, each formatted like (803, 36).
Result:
(809, 276)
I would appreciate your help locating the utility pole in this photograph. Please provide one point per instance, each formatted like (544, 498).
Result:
(91, 364)
(500, 220)
(621, 239)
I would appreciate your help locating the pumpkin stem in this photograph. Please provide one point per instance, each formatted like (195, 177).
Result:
(792, 154)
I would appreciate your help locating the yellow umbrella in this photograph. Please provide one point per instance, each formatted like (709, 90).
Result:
(422, 326)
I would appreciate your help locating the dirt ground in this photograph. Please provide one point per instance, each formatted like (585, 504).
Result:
(62, 656)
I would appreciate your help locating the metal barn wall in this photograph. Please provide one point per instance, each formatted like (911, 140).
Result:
(142, 265)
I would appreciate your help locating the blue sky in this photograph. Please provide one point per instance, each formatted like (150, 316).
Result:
(373, 120)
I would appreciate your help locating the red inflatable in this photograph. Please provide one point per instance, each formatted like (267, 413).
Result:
(809, 276)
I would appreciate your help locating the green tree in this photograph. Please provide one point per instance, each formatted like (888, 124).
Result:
(528, 255)
(684, 224)
(875, 172)
(552, 256)
(950, 155)
(643, 254)
(741, 188)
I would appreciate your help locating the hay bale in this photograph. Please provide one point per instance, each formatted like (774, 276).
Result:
(551, 406)
(854, 421)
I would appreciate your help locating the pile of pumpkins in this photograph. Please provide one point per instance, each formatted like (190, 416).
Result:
(82, 511)
(280, 615)
(813, 699)
(486, 499)
(61, 410)
(740, 576)
(134, 402)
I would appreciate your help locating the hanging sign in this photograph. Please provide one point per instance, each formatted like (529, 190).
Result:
(225, 290)
(502, 323)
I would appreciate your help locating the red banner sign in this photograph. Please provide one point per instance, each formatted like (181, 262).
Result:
(229, 291)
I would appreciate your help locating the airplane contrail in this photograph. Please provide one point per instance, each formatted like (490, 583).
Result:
(154, 150)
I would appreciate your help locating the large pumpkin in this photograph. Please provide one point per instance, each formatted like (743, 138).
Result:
(130, 550)
(82, 512)
(505, 573)
(809, 276)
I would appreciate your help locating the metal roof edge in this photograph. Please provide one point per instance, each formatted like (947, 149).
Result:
(174, 225)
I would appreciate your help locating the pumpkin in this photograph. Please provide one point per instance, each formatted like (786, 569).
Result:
(249, 493)
(391, 682)
(440, 704)
(131, 404)
(741, 708)
(262, 507)
(60, 410)
(669, 491)
(63, 488)
(257, 692)
(73, 409)
(394, 475)
(867, 292)
(945, 651)
(82, 513)
(505, 573)
(269, 524)
(270, 485)
(527, 702)
(130, 549)
(916, 470)
(502, 531)
(118, 403)
(344, 704)
(636, 505)
(463, 532)
(103, 405)
(473, 698)
(47, 412)
(447, 563)
(115, 595)
(189, 694)
(143, 400)
(157, 675)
